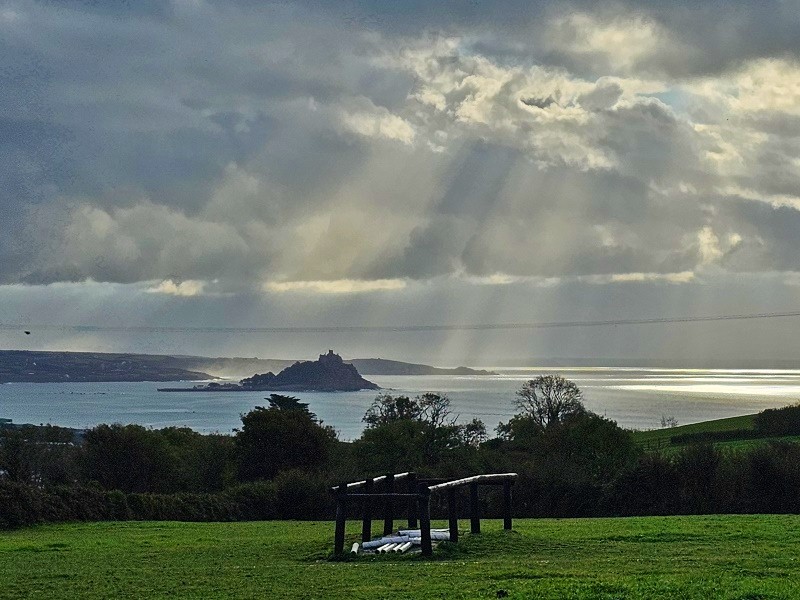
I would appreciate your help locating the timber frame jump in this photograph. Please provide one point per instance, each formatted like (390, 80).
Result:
(417, 497)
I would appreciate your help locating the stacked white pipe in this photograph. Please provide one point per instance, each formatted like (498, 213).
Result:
(412, 537)
(372, 545)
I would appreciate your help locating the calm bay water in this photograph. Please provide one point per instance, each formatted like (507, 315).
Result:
(635, 398)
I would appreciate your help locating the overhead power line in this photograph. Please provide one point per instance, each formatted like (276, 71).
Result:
(393, 328)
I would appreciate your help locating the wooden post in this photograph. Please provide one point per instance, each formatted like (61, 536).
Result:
(507, 504)
(341, 516)
(388, 514)
(412, 504)
(452, 512)
(366, 518)
(425, 520)
(474, 511)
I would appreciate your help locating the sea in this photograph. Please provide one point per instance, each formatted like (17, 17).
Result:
(636, 398)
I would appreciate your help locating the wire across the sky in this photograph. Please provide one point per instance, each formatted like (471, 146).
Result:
(392, 328)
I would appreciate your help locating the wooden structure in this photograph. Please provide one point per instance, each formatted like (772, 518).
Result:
(417, 499)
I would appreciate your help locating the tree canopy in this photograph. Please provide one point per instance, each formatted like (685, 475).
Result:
(281, 402)
(549, 400)
(276, 439)
(410, 433)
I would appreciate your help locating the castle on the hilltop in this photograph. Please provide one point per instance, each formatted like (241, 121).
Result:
(331, 358)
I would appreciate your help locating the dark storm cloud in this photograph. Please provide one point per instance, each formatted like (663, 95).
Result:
(708, 37)
(247, 143)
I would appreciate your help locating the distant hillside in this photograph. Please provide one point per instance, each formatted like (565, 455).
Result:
(47, 367)
(381, 366)
(235, 367)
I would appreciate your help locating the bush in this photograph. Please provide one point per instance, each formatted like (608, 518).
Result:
(299, 495)
(254, 501)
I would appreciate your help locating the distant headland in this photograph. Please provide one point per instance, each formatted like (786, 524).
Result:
(329, 373)
(31, 366)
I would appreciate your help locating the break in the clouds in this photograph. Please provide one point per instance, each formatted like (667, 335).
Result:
(193, 148)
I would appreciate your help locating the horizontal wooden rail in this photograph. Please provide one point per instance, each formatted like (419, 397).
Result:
(491, 479)
(380, 479)
(383, 495)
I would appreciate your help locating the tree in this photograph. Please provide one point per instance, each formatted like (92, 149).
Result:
(393, 447)
(130, 458)
(549, 400)
(473, 434)
(408, 433)
(41, 454)
(387, 409)
(275, 439)
(430, 408)
(281, 402)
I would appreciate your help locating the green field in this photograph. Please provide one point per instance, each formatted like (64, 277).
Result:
(736, 557)
(664, 435)
(660, 439)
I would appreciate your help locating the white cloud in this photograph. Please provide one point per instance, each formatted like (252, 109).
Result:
(708, 245)
(10, 16)
(622, 42)
(774, 200)
(339, 286)
(766, 85)
(186, 288)
(682, 277)
(379, 123)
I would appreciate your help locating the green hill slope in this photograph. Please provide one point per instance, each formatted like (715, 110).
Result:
(661, 437)
(660, 557)
(733, 432)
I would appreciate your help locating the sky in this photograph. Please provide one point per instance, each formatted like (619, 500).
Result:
(368, 163)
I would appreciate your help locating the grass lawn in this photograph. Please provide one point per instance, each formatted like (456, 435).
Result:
(736, 557)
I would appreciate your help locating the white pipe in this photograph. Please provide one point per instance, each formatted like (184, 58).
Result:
(402, 548)
(354, 549)
(388, 548)
(384, 540)
(418, 532)
(382, 548)
(436, 536)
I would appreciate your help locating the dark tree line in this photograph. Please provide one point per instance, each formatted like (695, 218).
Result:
(283, 460)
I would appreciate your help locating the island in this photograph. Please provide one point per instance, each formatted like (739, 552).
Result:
(327, 374)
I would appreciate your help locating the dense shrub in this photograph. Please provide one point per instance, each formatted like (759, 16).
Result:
(650, 487)
(778, 421)
(299, 495)
(710, 437)
(22, 504)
